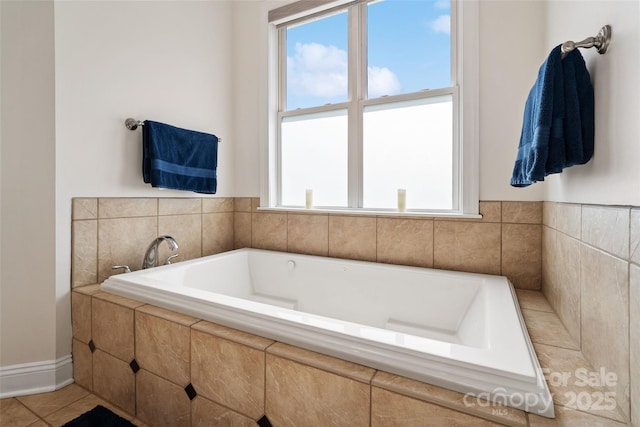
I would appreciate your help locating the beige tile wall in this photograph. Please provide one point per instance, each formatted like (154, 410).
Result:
(591, 275)
(506, 241)
(117, 231)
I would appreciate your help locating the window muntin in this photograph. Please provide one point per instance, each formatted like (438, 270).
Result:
(360, 187)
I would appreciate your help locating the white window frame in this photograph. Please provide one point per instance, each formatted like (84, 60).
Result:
(464, 45)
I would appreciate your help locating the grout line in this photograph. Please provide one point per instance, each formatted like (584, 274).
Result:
(264, 395)
(371, 402)
(135, 353)
(201, 228)
(29, 409)
(328, 235)
(376, 239)
(501, 247)
(433, 244)
(580, 279)
(97, 254)
(629, 235)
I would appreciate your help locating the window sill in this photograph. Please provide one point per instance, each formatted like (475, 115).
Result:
(370, 212)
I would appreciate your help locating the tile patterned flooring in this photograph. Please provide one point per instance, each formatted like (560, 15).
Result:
(53, 409)
(555, 348)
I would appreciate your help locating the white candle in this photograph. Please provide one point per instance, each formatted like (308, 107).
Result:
(402, 199)
(308, 198)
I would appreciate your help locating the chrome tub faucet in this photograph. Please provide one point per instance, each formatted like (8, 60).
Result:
(151, 256)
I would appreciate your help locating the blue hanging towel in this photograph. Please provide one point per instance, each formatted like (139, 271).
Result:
(579, 125)
(179, 159)
(541, 148)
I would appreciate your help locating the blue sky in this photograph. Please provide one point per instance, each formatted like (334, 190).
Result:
(408, 48)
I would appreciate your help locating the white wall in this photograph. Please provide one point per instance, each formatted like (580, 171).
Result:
(63, 133)
(511, 51)
(168, 61)
(249, 44)
(161, 60)
(1, 205)
(613, 175)
(27, 286)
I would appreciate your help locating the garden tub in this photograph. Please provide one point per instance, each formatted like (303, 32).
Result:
(461, 331)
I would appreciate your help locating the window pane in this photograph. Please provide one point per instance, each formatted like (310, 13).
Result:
(314, 156)
(317, 60)
(409, 46)
(408, 145)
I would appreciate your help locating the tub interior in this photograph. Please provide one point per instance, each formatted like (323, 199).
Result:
(450, 309)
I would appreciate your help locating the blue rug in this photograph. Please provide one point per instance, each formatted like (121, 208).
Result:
(99, 417)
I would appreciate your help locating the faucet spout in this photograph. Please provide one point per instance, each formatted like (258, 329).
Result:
(151, 256)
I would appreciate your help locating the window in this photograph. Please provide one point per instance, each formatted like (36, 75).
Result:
(368, 98)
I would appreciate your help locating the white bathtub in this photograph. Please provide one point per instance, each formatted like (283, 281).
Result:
(460, 331)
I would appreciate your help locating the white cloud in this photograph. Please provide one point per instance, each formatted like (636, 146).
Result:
(319, 70)
(382, 81)
(442, 24)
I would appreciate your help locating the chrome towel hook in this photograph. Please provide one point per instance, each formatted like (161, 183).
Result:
(600, 41)
(132, 124)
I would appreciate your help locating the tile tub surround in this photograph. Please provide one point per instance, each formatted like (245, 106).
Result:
(591, 276)
(214, 375)
(117, 231)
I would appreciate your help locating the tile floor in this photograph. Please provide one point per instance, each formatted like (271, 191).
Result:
(53, 409)
(554, 346)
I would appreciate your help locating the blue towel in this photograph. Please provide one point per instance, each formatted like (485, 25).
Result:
(179, 159)
(579, 125)
(559, 125)
(541, 141)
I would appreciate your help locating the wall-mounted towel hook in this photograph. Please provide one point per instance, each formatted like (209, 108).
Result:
(600, 41)
(132, 124)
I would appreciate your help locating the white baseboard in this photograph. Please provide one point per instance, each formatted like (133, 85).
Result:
(36, 377)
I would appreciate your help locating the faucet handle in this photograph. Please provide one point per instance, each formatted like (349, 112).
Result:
(168, 261)
(125, 268)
